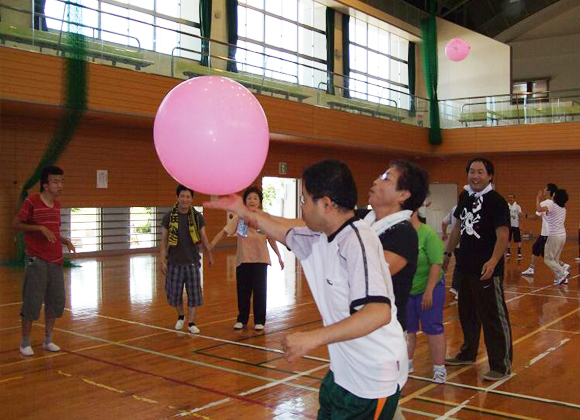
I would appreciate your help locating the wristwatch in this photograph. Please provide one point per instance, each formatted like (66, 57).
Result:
(447, 254)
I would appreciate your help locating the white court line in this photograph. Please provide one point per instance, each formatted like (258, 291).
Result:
(550, 350)
(181, 359)
(526, 294)
(221, 340)
(423, 413)
(252, 391)
(499, 383)
(10, 328)
(11, 304)
(498, 392)
(460, 407)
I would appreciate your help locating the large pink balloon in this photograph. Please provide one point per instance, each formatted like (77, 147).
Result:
(211, 134)
(457, 49)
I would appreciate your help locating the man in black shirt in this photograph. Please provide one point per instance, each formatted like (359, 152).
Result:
(483, 235)
(394, 196)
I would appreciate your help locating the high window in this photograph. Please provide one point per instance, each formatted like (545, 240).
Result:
(283, 39)
(379, 70)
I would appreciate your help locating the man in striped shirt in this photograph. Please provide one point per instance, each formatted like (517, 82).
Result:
(39, 218)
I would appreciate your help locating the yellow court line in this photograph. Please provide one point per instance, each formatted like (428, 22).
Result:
(11, 379)
(563, 331)
(483, 359)
(480, 409)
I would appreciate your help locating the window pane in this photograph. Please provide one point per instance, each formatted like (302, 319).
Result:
(274, 31)
(395, 46)
(274, 6)
(373, 37)
(281, 69)
(168, 7)
(190, 10)
(290, 10)
(290, 36)
(384, 42)
(255, 25)
(53, 9)
(404, 49)
(360, 59)
(142, 227)
(374, 64)
(85, 229)
(190, 43)
(319, 46)
(306, 12)
(115, 28)
(242, 22)
(141, 31)
(319, 16)
(167, 38)
(256, 3)
(384, 67)
(361, 32)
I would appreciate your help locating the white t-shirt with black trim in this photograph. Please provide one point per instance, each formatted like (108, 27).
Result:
(515, 211)
(545, 226)
(345, 271)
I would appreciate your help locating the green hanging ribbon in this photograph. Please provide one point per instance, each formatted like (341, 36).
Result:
(75, 104)
(429, 35)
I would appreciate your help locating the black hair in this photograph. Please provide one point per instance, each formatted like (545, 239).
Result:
(561, 197)
(181, 188)
(253, 189)
(512, 194)
(552, 188)
(331, 178)
(46, 171)
(486, 162)
(413, 179)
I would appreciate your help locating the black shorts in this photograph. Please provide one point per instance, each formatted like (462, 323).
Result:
(515, 234)
(539, 245)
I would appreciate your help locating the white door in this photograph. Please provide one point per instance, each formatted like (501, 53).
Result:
(443, 197)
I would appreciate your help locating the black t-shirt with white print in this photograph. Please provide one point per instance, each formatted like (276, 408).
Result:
(479, 218)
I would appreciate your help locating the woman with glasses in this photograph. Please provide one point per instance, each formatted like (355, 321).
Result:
(252, 261)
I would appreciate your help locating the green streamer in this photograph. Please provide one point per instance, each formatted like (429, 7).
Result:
(75, 104)
(429, 35)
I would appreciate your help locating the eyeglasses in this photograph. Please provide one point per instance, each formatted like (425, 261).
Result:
(385, 175)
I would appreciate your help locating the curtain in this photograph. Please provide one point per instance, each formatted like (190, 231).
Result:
(232, 28)
(345, 54)
(205, 21)
(412, 72)
(429, 35)
(330, 15)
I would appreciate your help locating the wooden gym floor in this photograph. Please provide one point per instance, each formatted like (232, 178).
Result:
(121, 358)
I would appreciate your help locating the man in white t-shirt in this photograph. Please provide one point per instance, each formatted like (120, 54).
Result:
(515, 234)
(539, 246)
(344, 264)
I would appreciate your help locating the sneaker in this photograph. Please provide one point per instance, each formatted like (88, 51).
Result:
(528, 272)
(508, 255)
(26, 351)
(238, 326)
(457, 296)
(193, 329)
(259, 327)
(577, 259)
(563, 279)
(492, 375)
(179, 324)
(411, 366)
(439, 375)
(456, 361)
(566, 267)
(453, 290)
(520, 257)
(50, 347)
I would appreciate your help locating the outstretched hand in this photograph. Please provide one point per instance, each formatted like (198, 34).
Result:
(232, 202)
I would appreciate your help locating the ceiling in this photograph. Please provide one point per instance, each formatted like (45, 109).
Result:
(488, 17)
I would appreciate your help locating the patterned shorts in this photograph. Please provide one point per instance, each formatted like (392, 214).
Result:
(177, 276)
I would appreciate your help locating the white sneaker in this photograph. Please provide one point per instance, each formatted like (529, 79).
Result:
(452, 290)
(179, 324)
(528, 272)
(563, 279)
(238, 326)
(440, 375)
(50, 347)
(577, 259)
(411, 366)
(566, 267)
(193, 329)
(26, 351)
(258, 327)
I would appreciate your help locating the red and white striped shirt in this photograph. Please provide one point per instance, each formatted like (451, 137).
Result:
(35, 212)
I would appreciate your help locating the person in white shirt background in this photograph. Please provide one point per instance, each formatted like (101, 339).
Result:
(556, 217)
(515, 234)
(540, 244)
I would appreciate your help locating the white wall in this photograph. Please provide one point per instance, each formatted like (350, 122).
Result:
(485, 72)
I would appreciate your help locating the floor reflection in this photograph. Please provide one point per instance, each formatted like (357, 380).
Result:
(142, 279)
(86, 290)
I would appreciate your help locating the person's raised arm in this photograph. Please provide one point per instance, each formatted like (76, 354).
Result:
(271, 226)
(539, 207)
